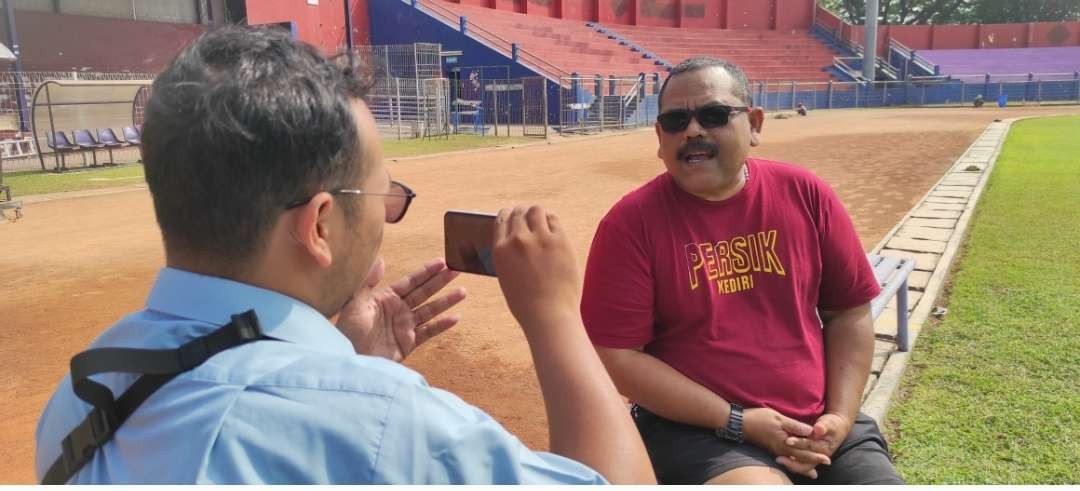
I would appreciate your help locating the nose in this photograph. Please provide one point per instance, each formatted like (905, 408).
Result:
(694, 129)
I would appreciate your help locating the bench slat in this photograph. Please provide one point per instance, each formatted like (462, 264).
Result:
(892, 274)
(885, 268)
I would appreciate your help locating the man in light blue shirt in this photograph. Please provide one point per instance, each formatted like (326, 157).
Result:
(266, 173)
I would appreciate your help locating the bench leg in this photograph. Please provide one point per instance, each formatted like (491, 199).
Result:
(902, 317)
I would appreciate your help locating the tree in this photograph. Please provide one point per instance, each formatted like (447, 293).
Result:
(958, 11)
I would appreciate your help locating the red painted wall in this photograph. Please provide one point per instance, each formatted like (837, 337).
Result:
(319, 25)
(546, 8)
(792, 14)
(617, 11)
(1056, 34)
(579, 9)
(954, 36)
(751, 14)
(914, 37)
(509, 5)
(70, 42)
(361, 23)
(658, 13)
(701, 13)
(1003, 36)
(1032, 35)
(827, 19)
(856, 34)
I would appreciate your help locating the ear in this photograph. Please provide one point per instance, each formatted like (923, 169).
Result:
(310, 228)
(757, 120)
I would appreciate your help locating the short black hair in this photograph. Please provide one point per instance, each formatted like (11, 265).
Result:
(243, 121)
(741, 83)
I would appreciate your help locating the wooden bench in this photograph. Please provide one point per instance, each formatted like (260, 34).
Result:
(892, 275)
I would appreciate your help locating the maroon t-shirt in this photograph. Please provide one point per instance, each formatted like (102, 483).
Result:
(728, 292)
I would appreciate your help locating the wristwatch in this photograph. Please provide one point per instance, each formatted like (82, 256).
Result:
(733, 431)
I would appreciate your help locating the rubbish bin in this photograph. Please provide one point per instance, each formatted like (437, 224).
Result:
(1003, 100)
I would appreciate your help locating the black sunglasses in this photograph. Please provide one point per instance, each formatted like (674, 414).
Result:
(397, 200)
(710, 116)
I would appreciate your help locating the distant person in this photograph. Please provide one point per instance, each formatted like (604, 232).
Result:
(729, 298)
(266, 172)
(979, 101)
(801, 109)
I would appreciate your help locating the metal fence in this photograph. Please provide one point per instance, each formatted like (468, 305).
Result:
(410, 107)
(500, 107)
(415, 61)
(591, 104)
(779, 96)
(410, 98)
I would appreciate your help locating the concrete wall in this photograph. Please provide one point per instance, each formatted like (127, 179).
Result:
(50, 42)
(320, 25)
(979, 36)
(969, 36)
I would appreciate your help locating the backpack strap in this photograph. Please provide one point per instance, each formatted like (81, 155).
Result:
(157, 367)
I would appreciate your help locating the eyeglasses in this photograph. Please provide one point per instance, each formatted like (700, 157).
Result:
(397, 200)
(710, 116)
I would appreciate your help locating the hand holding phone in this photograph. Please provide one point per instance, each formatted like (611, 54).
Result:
(536, 266)
(538, 272)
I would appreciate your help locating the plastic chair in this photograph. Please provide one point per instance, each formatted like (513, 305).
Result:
(109, 139)
(61, 146)
(85, 140)
(132, 135)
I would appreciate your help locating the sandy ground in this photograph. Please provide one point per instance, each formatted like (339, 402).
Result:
(72, 267)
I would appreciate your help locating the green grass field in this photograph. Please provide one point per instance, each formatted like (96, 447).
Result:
(993, 394)
(26, 183)
(409, 148)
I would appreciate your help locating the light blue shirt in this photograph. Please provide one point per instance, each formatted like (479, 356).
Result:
(305, 409)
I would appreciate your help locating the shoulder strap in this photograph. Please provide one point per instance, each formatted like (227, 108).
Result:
(157, 368)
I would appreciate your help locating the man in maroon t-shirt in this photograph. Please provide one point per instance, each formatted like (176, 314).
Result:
(729, 298)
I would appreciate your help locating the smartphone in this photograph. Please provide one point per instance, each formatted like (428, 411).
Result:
(469, 239)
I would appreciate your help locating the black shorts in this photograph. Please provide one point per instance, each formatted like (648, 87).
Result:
(685, 454)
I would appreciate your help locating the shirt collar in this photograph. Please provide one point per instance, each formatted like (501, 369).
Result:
(214, 300)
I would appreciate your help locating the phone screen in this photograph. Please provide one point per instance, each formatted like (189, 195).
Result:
(469, 238)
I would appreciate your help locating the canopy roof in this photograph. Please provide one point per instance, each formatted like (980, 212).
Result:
(69, 105)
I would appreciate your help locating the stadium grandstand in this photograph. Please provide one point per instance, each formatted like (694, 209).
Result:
(974, 63)
(518, 66)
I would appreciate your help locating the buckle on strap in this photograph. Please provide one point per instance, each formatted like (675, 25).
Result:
(247, 326)
(79, 446)
(242, 329)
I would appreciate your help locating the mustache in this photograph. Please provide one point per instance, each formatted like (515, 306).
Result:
(698, 146)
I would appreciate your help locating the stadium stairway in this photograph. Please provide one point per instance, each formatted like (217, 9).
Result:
(625, 51)
(762, 54)
(570, 45)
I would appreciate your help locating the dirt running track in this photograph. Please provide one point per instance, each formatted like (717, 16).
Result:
(72, 267)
